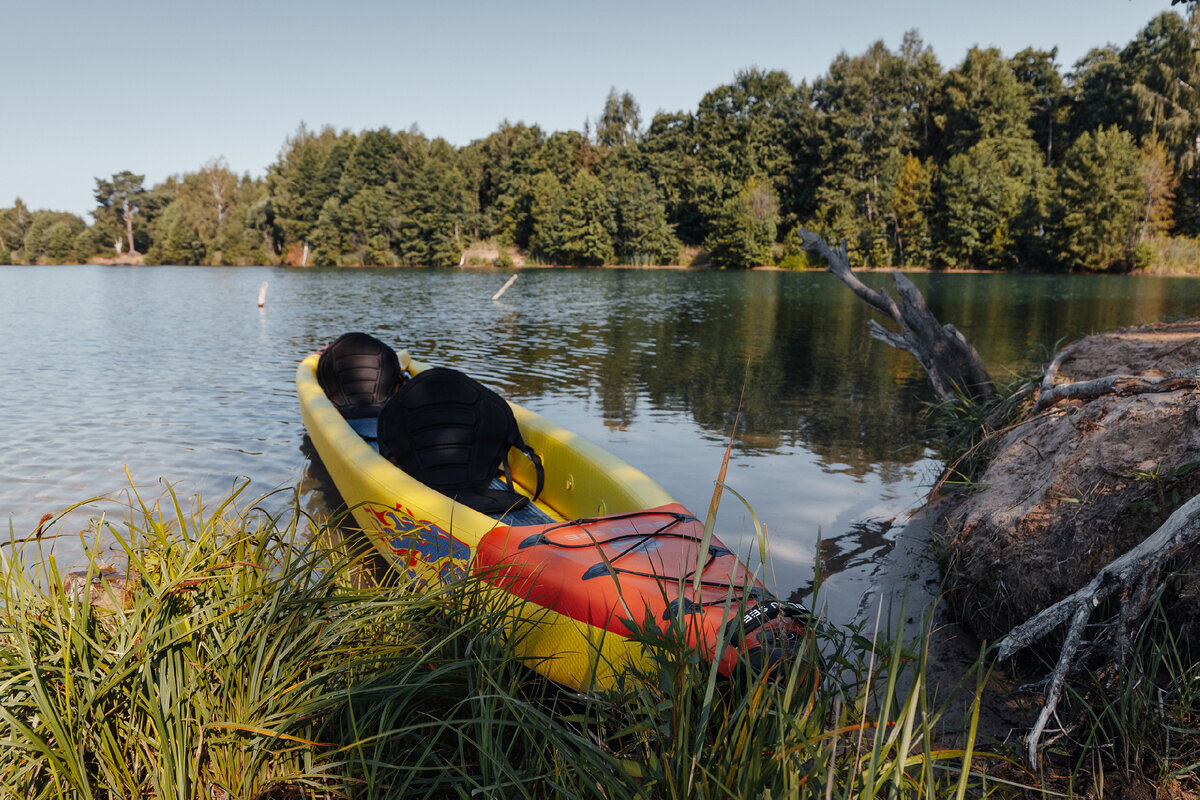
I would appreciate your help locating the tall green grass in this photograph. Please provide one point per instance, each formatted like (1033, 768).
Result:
(249, 659)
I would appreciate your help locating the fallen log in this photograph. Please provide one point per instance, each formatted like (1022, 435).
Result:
(950, 361)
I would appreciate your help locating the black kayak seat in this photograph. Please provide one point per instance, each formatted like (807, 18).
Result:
(358, 373)
(452, 433)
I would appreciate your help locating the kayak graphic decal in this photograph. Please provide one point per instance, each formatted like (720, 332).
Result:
(421, 540)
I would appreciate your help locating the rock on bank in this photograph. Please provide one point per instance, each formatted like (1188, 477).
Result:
(1068, 489)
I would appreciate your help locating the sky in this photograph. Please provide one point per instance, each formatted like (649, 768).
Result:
(160, 87)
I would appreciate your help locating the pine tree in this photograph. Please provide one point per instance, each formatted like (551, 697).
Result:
(642, 233)
(587, 223)
(1100, 200)
(745, 229)
(981, 99)
(547, 202)
(911, 204)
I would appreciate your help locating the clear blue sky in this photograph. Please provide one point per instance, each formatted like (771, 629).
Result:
(161, 86)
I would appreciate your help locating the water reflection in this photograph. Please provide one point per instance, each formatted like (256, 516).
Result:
(177, 373)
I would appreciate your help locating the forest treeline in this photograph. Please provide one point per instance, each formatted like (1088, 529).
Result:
(999, 162)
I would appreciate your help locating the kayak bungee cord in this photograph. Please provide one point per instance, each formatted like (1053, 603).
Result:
(609, 565)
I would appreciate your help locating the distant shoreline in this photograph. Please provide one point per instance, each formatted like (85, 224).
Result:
(139, 261)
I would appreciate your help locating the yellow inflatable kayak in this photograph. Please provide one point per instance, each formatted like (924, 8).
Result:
(600, 544)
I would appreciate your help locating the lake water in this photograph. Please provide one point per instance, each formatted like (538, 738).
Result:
(176, 375)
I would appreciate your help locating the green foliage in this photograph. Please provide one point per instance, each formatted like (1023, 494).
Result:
(641, 233)
(176, 240)
(84, 246)
(982, 99)
(1164, 482)
(669, 154)
(621, 121)
(60, 242)
(50, 237)
(547, 201)
(435, 212)
(14, 224)
(964, 427)
(1162, 68)
(1101, 93)
(587, 223)
(1159, 184)
(794, 256)
(1100, 198)
(912, 211)
(909, 163)
(303, 177)
(874, 108)
(369, 222)
(1176, 254)
(1143, 727)
(992, 197)
(745, 228)
(118, 203)
(1046, 96)
(744, 131)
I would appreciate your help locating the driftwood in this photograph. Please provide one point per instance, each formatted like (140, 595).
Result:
(1134, 576)
(949, 360)
(1052, 368)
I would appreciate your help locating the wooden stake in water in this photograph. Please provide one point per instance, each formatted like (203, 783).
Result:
(504, 288)
(262, 295)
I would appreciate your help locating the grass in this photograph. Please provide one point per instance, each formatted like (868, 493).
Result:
(1142, 724)
(964, 427)
(1172, 255)
(244, 655)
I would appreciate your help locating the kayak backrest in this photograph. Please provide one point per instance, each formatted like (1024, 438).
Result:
(452, 433)
(359, 374)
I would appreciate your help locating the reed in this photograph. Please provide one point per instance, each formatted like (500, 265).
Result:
(244, 656)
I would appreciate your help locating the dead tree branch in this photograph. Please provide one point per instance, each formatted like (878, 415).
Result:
(949, 360)
(1051, 375)
(1133, 575)
(1122, 385)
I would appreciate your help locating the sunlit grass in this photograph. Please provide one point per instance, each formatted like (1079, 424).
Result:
(1169, 255)
(245, 656)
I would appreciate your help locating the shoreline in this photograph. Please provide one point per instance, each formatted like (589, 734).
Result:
(910, 579)
(140, 261)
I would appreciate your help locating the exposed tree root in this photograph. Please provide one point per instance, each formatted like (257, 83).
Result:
(1134, 576)
(1121, 385)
